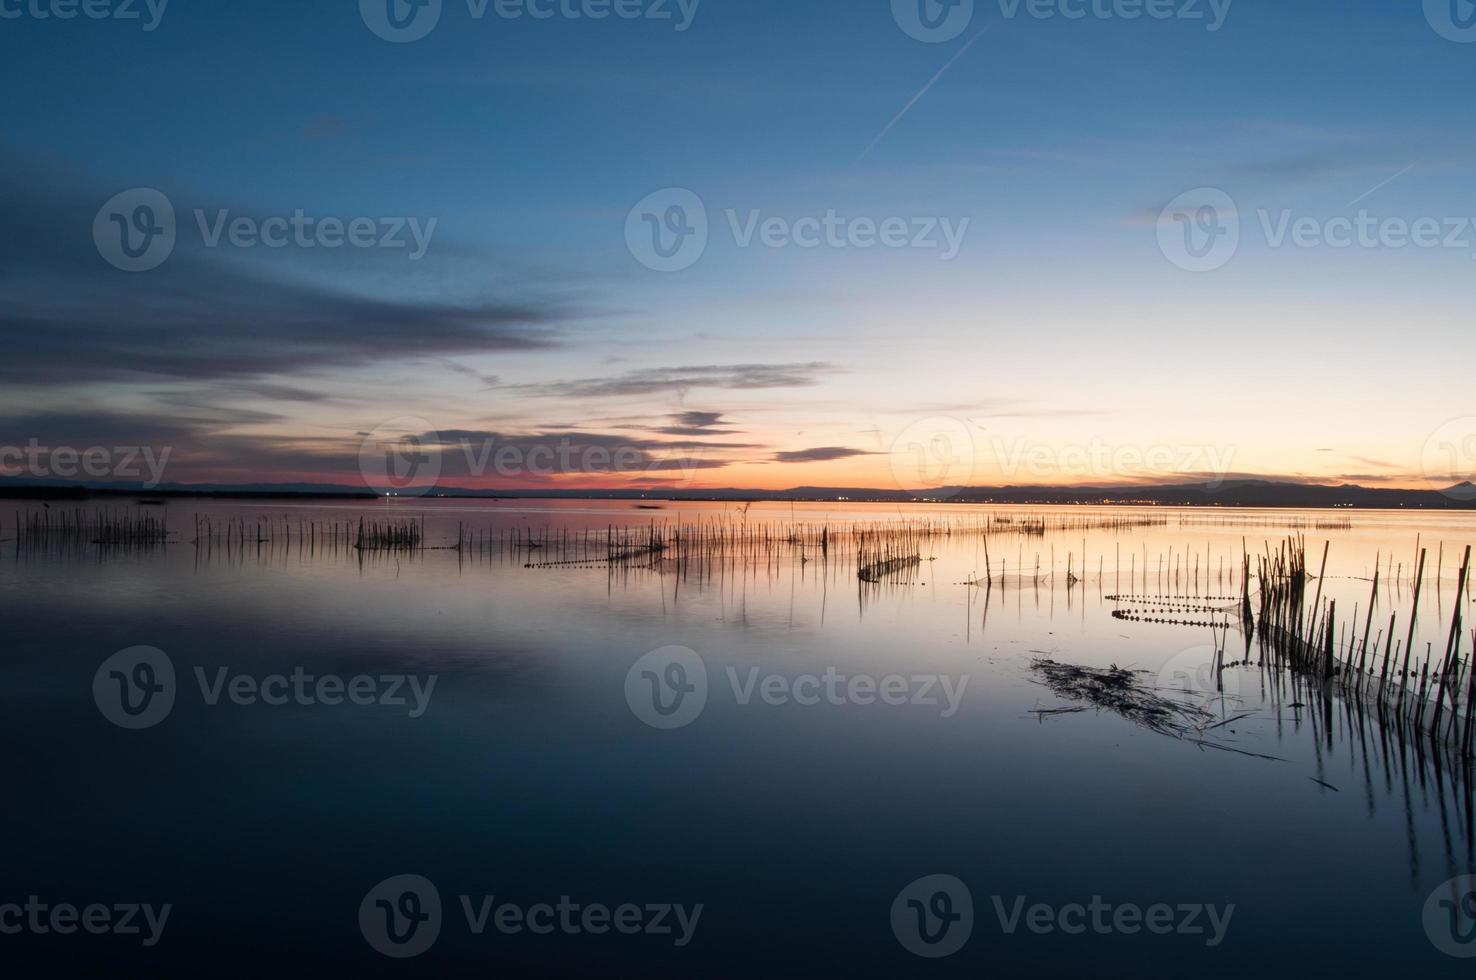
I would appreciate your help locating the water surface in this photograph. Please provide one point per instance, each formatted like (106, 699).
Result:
(533, 774)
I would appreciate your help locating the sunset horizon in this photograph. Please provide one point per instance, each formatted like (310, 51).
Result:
(919, 253)
(738, 488)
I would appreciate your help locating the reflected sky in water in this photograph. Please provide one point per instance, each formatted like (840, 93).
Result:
(530, 776)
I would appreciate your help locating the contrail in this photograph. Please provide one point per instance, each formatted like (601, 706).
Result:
(921, 92)
(1380, 186)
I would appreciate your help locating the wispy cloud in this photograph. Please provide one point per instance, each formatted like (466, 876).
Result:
(208, 314)
(650, 381)
(823, 454)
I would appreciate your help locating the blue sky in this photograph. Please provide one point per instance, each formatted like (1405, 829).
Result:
(1060, 321)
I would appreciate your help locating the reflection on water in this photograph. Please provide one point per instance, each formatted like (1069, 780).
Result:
(846, 699)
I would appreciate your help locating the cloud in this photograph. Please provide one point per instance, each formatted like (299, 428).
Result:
(468, 453)
(698, 420)
(325, 127)
(696, 424)
(490, 380)
(650, 381)
(66, 316)
(820, 455)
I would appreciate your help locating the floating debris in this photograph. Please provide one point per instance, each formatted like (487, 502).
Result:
(1124, 693)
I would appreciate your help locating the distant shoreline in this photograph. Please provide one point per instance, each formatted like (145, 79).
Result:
(1245, 494)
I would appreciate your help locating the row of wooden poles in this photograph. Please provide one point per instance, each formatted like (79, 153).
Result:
(702, 540)
(109, 527)
(1311, 640)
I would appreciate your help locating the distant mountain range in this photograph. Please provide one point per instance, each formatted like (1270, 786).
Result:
(1230, 493)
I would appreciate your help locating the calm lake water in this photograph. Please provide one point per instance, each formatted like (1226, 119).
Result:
(812, 748)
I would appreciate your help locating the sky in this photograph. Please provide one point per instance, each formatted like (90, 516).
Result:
(739, 243)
